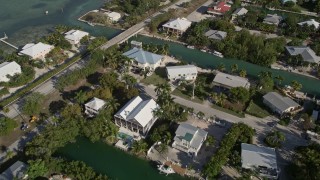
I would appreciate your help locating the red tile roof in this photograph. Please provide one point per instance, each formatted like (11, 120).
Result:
(221, 7)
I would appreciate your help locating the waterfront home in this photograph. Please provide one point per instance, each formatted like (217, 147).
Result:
(74, 36)
(36, 51)
(189, 139)
(285, 1)
(137, 115)
(307, 53)
(219, 8)
(260, 159)
(176, 26)
(240, 11)
(215, 34)
(93, 107)
(310, 22)
(186, 72)
(113, 16)
(280, 104)
(272, 19)
(9, 69)
(229, 81)
(15, 171)
(144, 59)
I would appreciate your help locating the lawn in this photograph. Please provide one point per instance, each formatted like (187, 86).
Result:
(240, 115)
(257, 109)
(178, 92)
(158, 77)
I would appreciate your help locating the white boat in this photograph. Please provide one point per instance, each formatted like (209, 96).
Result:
(190, 47)
(165, 169)
(216, 53)
(47, 12)
(203, 50)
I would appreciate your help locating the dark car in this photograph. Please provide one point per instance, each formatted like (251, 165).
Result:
(24, 126)
(272, 124)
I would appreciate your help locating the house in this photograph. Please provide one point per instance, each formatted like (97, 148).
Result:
(113, 16)
(307, 53)
(219, 9)
(215, 34)
(93, 107)
(144, 59)
(9, 68)
(137, 115)
(229, 81)
(186, 72)
(240, 12)
(279, 104)
(15, 171)
(262, 159)
(74, 36)
(177, 26)
(310, 22)
(189, 139)
(36, 51)
(285, 1)
(272, 19)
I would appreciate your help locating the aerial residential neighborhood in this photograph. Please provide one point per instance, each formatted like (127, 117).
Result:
(176, 89)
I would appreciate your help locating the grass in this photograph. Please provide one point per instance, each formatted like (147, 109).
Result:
(240, 115)
(178, 92)
(256, 110)
(158, 77)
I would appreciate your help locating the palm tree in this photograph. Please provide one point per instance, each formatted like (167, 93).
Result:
(296, 86)
(10, 154)
(163, 88)
(139, 147)
(129, 80)
(81, 97)
(219, 98)
(234, 68)
(210, 141)
(279, 79)
(243, 73)
(162, 148)
(221, 67)
(112, 104)
(275, 138)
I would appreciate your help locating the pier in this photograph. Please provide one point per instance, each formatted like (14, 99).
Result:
(3, 40)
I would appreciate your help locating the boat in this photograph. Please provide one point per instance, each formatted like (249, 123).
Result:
(216, 53)
(47, 12)
(165, 169)
(190, 47)
(203, 50)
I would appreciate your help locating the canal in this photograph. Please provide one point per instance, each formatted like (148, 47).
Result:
(114, 163)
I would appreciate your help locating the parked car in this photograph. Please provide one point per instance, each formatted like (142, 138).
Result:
(24, 126)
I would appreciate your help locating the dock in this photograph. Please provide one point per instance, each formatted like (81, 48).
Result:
(3, 40)
(176, 168)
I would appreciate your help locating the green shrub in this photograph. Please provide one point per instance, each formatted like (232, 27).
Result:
(7, 125)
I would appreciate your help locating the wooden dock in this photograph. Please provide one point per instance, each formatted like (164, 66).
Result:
(176, 168)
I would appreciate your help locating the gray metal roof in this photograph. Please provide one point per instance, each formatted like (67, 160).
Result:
(272, 19)
(215, 34)
(185, 69)
(230, 80)
(198, 134)
(280, 102)
(15, 171)
(240, 11)
(307, 53)
(252, 155)
(142, 56)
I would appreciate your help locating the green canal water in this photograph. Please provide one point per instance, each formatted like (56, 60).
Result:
(114, 163)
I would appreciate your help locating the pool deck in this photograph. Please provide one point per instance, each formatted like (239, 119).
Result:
(120, 145)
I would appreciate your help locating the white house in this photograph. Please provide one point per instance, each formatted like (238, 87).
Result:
(36, 51)
(262, 159)
(229, 81)
(93, 107)
(189, 139)
(310, 22)
(240, 11)
(280, 104)
(9, 68)
(215, 34)
(113, 16)
(177, 26)
(15, 171)
(144, 59)
(307, 53)
(74, 36)
(186, 72)
(272, 19)
(137, 115)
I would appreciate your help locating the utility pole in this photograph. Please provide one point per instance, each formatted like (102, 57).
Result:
(194, 82)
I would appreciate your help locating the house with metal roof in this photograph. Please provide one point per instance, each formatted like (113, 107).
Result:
(186, 72)
(74, 36)
(272, 19)
(177, 26)
(229, 81)
(137, 115)
(260, 159)
(240, 11)
(310, 22)
(9, 69)
(307, 53)
(93, 107)
(36, 51)
(144, 59)
(280, 104)
(189, 139)
(215, 34)
(15, 171)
